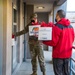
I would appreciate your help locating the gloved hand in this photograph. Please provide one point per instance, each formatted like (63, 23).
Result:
(50, 24)
(43, 24)
(13, 36)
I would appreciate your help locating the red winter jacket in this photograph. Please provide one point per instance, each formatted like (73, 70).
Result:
(62, 39)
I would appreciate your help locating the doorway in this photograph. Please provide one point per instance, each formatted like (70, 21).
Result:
(14, 40)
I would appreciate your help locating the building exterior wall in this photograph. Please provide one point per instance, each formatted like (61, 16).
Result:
(6, 36)
(42, 16)
(70, 14)
(29, 11)
(18, 4)
(50, 20)
(21, 28)
(7, 29)
(51, 16)
(1, 34)
(56, 8)
(15, 24)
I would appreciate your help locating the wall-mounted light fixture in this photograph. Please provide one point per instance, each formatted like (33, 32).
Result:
(40, 7)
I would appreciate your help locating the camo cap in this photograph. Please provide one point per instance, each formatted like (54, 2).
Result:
(34, 15)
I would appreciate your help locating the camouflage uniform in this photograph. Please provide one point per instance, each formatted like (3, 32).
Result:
(35, 50)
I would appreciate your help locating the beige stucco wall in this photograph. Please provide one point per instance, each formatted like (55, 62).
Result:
(21, 28)
(7, 36)
(1, 35)
(7, 33)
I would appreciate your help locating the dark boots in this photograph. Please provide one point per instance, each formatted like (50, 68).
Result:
(44, 73)
(34, 73)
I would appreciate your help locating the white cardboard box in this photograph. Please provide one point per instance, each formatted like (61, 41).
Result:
(45, 33)
(34, 30)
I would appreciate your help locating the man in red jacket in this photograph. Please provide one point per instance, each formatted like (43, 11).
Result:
(62, 40)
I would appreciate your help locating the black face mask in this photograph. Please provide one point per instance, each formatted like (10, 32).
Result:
(55, 20)
(32, 21)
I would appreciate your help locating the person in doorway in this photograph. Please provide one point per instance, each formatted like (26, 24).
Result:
(35, 46)
(62, 40)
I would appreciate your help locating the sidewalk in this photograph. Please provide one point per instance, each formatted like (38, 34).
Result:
(26, 69)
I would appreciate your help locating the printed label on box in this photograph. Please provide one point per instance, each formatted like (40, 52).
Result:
(34, 30)
(45, 33)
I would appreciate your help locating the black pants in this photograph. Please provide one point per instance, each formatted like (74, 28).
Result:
(61, 66)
